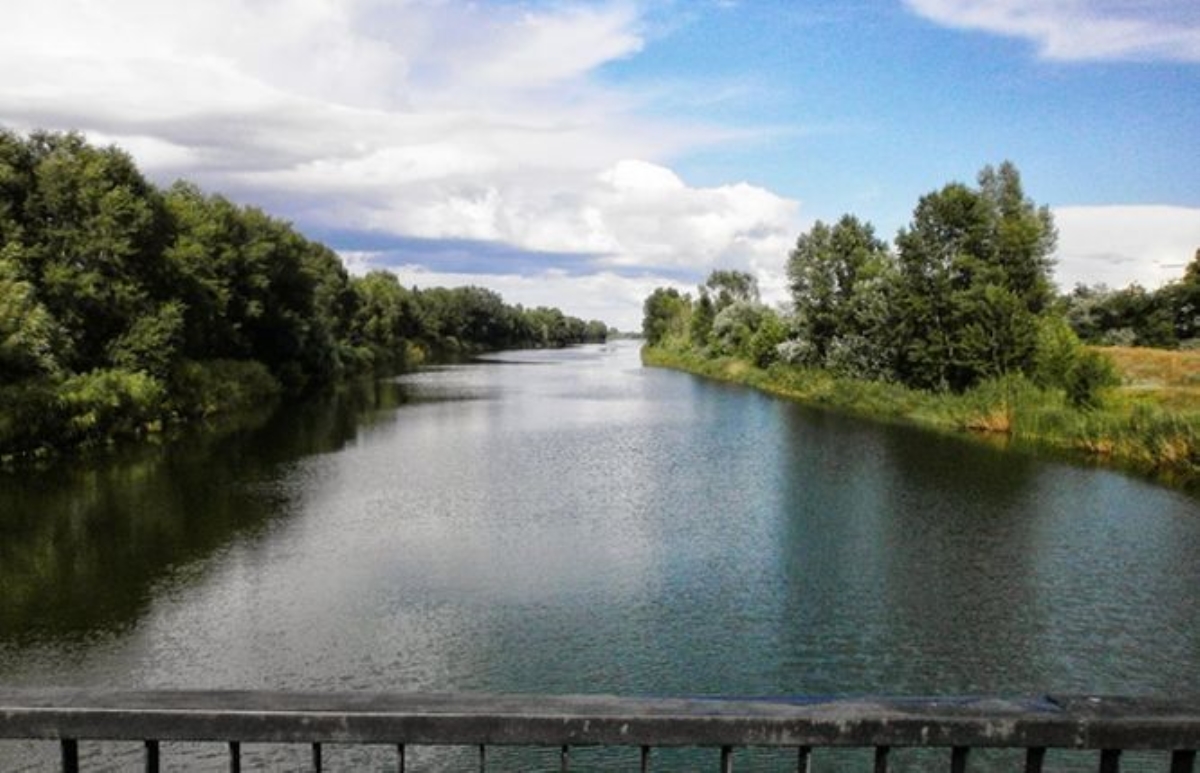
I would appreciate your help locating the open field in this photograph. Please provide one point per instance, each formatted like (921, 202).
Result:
(1170, 379)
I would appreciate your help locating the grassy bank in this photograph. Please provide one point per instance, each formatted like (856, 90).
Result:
(1150, 425)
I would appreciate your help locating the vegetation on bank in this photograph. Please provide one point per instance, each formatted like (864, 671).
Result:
(125, 308)
(957, 329)
(1134, 429)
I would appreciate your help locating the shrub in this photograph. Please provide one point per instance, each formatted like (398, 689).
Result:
(858, 357)
(1056, 354)
(1087, 379)
(765, 341)
(30, 417)
(796, 351)
(200, 389)
(108, 403)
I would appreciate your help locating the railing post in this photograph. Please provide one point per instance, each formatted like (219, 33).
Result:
(645, 759)
(235, 757)
(1110, 761)
(1183, 761)
(881, 758)
(316, 757)
(564, 761)
(152, 757)
(400, 758)
(958, 759)
(726, 759)
(1035, 757)
(803, 759)
(482, 758)
(70, 755)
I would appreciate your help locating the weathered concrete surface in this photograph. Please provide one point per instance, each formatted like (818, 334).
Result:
(296, 717)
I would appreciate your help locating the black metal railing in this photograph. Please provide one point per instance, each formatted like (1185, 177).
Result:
(1107, 726)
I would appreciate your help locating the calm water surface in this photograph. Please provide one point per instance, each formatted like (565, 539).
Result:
(571, 522)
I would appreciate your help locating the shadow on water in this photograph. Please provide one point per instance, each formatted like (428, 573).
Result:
(83, 544)
(917, 563)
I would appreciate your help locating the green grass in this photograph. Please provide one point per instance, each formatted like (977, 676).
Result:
(1152, 431)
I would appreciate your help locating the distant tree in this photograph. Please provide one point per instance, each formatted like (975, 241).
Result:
(729, 286)
(122, 306)
(665, 312)
(1133, 316)
(596, 331)
(703, 313)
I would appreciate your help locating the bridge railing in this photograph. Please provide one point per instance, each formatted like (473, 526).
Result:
(1106, 726)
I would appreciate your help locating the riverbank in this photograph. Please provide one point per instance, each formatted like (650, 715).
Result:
(44, 422)
(1148, 431)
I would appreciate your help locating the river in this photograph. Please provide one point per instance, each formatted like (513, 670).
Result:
(568, 521)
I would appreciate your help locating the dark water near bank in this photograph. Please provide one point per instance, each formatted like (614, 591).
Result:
(571, 522)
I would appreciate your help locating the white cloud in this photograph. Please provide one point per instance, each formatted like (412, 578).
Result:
(1081, 29)
(1119, 245)
(422, 118)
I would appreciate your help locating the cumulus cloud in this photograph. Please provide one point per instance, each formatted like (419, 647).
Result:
(421, 118)
(1081, 29)
(1120, 245)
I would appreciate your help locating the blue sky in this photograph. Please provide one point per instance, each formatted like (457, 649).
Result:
(579, 154)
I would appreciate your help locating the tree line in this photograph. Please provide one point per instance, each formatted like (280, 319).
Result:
(124, 306)
(964, 297)
(1166, 318)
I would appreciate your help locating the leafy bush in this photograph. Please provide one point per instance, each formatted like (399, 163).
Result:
(30, 417)
(762, 347)
(151, 342)
(796, 351)
(1091, 374)
(735, 325)
(200, 389)
(105, 403)
(858, 357)
(1057, 353)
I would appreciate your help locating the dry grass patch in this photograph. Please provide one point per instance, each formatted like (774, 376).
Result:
(1170, 379)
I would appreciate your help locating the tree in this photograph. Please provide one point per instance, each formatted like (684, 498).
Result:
(730, 286)
(703, 313)
(665, 313)
(974, 278)
(93, 231)
(29, 335)
(735, 325)
(835, 277)
(1023, 237)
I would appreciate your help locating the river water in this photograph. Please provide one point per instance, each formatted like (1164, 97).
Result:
(570, 522)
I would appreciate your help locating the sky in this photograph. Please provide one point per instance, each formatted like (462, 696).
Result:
(581, 153)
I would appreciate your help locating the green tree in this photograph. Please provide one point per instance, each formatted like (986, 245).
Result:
(1023, 237)
(731, 286)
(837, 277)
(93, 234)
(703, 314)
(29, 335)
(378, 324)
(665, 313)
(152, 342)
(763, 347)
(974, 277)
